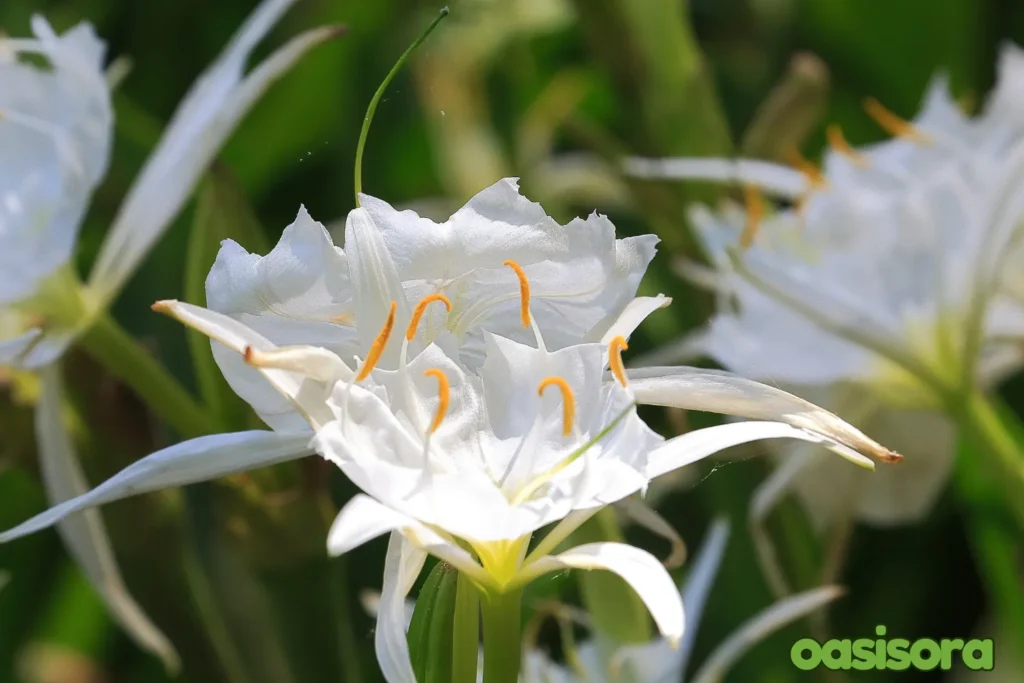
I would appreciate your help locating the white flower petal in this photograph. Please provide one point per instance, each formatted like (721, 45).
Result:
(722, 392)
(56, 125)
(375, 283)
(641, 570)
(364, 518)
(698, 584)
(688, 448)
(206, 457)
(774, 178)
(83, 533)
(204, 120)
(402, 566)
(760, 627)
(635, 312)
(294, 391)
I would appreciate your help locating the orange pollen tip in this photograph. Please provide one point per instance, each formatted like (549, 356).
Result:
(421, 307)
(248, 355)
(568, 400)
(161, 307)
(837, 141)
(377, 347)
(524, 291)
(755, 214)
(801, 163)
(615, 348)
(893, 124)
(443, 396)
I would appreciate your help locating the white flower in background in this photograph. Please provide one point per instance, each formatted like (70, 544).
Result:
(887, 288)
(55, 135)
(595, 661)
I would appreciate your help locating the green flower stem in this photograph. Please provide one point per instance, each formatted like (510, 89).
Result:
(465, 632)
(502, 614)
(999, 451)
(123, 357)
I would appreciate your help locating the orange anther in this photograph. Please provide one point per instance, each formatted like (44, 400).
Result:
(568, 401)
(893, 124)
(837, 141)
(755, 214)
(615, 348)
(410, 331)
(377, 347)
(813, 174)
(524, 291)
(443, 396)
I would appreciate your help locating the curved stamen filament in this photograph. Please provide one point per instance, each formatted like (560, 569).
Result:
(421, 307)
(893, 124)
(568, 401)
(443, 396)
(524, 291)
(801, 163)
(755, 214)
(615, 348)
(837, 141)
(377, 348)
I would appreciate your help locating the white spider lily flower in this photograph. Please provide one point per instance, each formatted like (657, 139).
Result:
(889, 285)
(55, 131)
(443, 452)
(309, 291)
(55, 135)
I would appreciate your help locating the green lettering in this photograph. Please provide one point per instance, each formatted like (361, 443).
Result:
(948, 648)
(805, 654)
(835, 654)
(977, 655)
(864, 655)
(899, 659)
(925, 654)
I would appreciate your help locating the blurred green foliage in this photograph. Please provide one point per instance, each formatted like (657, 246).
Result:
(506, 87)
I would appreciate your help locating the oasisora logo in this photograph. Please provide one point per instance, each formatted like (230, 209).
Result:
(898, 654)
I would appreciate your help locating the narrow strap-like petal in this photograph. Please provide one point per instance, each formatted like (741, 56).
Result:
(641, 570)
(760, 627)
(780, 180)
(721, 392)
(402, 566)
(207, 457)
(83, 533)
(698, 585)
(204, 120)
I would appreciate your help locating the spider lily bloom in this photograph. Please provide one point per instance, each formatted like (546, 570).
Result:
(309, 291)
(55, 131)
(885, 294)
(444, 452)
(658, 661)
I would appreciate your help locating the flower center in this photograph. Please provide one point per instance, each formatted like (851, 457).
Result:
(893, 124)
(568, 401)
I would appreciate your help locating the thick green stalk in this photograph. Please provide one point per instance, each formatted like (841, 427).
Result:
(465, 632)
(124, 358)
(502, 614)
(999, 451)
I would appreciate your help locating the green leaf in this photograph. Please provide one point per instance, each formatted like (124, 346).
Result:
(433, 621)
(222, 212)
